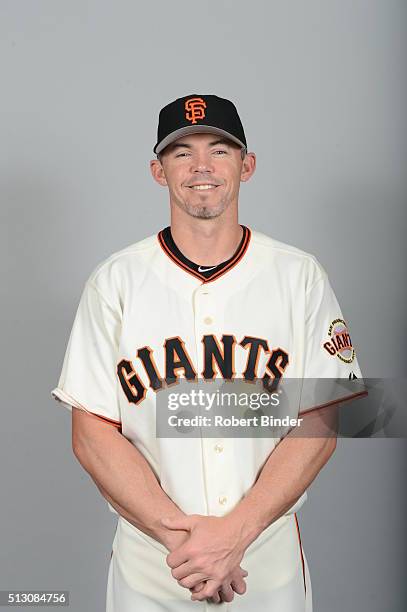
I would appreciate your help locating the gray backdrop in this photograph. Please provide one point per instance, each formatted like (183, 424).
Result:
(321, 89)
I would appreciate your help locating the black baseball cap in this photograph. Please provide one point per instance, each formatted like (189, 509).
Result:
(199, 113)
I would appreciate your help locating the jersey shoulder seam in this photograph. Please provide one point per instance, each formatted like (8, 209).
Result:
(143, 245)
(92, 284)
(324, 276)
(272, 243)
(276, 245)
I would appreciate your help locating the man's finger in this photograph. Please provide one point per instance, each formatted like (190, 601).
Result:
(239, 586)
(177, 557)
(226, 593)
(215, 598)
(212, 587)
(198, 587)
(193, 579)
(183, 571)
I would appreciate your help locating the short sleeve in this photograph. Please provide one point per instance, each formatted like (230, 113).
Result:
(329, 351)
(88, 378)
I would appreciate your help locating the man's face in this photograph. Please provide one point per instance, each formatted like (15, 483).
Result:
(203, 174)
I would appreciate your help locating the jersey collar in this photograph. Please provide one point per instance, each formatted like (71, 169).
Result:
(206, 276)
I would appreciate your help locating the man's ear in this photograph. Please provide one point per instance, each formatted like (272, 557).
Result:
(157, 172)
(248, 166)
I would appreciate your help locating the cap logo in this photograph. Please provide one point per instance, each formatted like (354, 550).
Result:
(195, 109)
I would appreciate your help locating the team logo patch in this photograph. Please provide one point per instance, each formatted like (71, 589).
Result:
(195, 109)
(339, 342)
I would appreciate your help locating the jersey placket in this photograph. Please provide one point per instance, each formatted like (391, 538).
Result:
(217, 460)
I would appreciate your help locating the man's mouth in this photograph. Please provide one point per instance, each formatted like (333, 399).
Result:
(202, 186)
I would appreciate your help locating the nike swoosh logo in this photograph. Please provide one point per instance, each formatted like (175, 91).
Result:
(205, 269)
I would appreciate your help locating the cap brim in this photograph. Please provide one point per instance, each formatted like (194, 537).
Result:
(195, 129)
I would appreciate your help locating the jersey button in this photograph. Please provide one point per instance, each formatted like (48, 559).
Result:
(222, 500)
(208, 320)
(218, 448)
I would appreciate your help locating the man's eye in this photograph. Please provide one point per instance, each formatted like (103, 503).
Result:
(182, 154)
(221, 151)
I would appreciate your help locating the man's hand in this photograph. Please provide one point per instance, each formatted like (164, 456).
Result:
(212, 552)
(235, 582)
(174, 540)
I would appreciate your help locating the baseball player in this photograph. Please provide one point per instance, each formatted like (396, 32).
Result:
(202, 522)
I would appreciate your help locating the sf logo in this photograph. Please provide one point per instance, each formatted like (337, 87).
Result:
(195, 109)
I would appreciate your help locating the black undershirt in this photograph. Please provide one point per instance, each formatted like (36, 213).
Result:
(200, 268)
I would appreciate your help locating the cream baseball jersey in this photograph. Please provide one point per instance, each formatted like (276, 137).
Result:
(148, 317)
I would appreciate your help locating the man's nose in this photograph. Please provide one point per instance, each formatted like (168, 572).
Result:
(201, 163)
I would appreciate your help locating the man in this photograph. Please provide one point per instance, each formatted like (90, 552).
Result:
(203, 521)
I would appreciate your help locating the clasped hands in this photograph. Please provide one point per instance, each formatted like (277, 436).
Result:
(206, 556)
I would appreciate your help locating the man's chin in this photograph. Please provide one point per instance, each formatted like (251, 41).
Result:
(204, 212)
